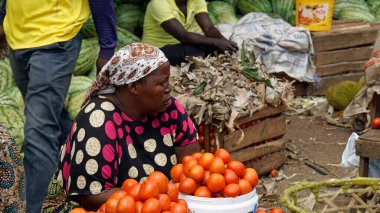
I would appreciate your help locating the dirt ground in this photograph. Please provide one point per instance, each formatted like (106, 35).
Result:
(314, 141)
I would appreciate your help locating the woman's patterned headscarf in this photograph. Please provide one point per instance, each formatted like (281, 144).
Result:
(128, 65)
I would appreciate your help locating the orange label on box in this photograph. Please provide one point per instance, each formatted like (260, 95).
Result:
(316, 15)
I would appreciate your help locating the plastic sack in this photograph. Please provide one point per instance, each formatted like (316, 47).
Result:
(349, 157)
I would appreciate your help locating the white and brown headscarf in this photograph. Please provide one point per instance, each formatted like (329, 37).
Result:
(128, 65)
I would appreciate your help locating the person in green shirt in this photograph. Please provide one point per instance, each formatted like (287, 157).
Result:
(183, 28)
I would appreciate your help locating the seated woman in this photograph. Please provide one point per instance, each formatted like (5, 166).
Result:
(175, 26)
(128, 127)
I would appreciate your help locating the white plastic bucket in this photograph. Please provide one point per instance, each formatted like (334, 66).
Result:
(242, 204)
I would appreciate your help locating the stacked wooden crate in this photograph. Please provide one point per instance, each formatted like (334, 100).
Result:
(262, 146)
(341, 52)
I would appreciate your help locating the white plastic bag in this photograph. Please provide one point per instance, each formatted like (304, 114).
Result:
(349, 157)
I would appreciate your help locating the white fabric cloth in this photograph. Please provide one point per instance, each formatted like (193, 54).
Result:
(275, 43)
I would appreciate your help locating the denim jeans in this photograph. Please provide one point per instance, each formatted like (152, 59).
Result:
(43, 75)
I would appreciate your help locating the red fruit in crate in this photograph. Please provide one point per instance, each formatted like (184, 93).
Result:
(231, 190)
(217, 166)
(251, 176)
(201, 130)
(126, 204)
(148, 189)
(376, 123)
(230, 176)
(102, 208)
(118, 194)
(178, 208)
(238, 167)
(111, 205)
(128, 183)
(202, 191)
(216, 182)
(161, 180)
(206, 175)
(183, 202)
(134, 191)
(187, 186)
(245, 186)
(206, 159)
(172, 192)
(188, 165)
(77, 210)
(196, 172)
(201, 140)
(223, 154)
(151, 206)
(276, 210)
(196, 155)
(274, 173)
(186, 159)
(260, 211)
(176, 172)
(139, 205)
(164, 201)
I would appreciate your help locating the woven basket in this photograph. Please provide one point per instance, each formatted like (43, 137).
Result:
(351, 195)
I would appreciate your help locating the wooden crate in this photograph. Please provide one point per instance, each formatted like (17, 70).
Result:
(263, 135)
(341, 52)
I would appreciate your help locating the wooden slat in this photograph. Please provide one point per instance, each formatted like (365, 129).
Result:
(371, 135)
(329, 81)
(265, 112)
(267, 163)
(369, 149)
(363, 167)
(343, 67)
(264, 130)
(253, 152)
(345, 55)
(350, 35)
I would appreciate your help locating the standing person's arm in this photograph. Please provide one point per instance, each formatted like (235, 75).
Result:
(3, 41)
(105, 23)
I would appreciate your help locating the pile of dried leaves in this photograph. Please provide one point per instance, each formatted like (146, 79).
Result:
(216, 90)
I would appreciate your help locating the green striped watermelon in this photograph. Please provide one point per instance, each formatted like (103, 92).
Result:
(14, 120)
(79, 84)
(125, 37)
(7, 101)
(75, 103)
(129, 16)
(87, 57)
(15, 93)
(6, 75)
(89, 30)
(223, 11)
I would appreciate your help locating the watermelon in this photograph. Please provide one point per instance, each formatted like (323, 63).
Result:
(6, 75)
(7, 101)
(231, 2)
(223, 11)
(87, 57)
(14, 120)
(79, 84)
(247, 6)
(75, 103)
(93, 72)
(129, 16)
(89, 30)
(125, 37)
(16, 95)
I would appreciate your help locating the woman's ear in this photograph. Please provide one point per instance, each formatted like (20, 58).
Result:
(133, 88)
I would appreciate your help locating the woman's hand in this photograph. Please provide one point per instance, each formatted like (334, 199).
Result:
(226, 45)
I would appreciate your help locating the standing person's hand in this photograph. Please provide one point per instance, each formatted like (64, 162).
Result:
(3, 44)
(227, 45)
(100, 62)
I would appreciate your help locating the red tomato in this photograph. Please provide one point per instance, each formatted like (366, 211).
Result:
(376, 123)
(276, 210)
(260, 211)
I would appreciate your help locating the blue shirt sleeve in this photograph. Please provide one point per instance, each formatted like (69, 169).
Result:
(105, 23)
(2, 12)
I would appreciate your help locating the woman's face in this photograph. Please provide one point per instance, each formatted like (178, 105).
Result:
(154, 93)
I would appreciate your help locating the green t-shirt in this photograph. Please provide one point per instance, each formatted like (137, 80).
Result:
(159, 11)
